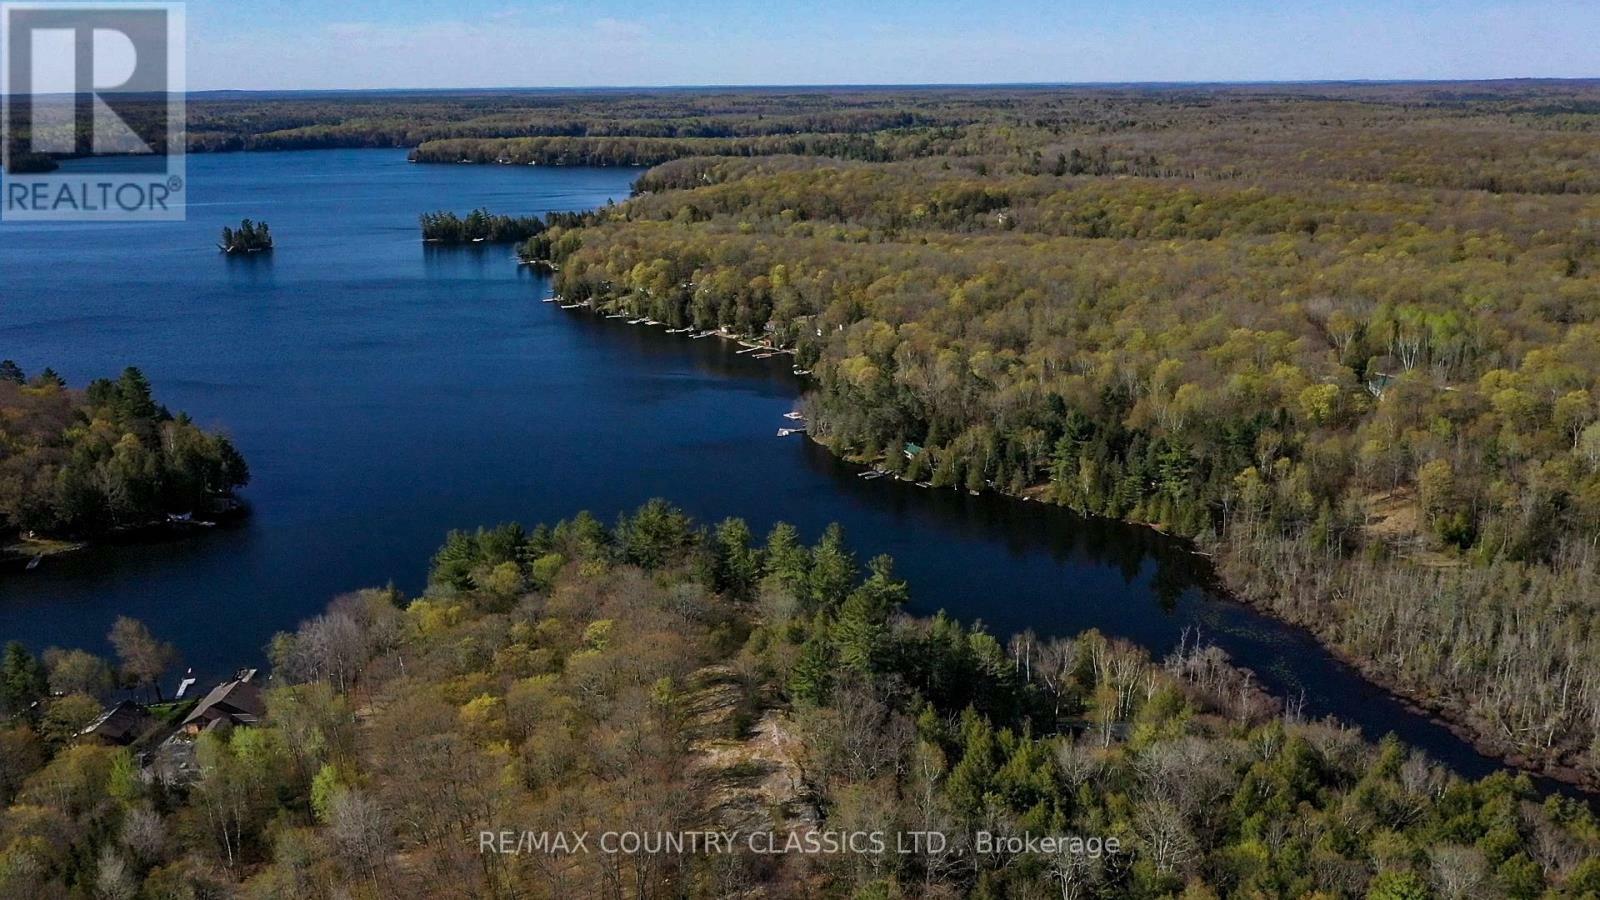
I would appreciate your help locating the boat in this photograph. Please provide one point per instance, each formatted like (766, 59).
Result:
(764, 356)
(34, 563)
(616, 315)
(794, 415)
(636, 322)
(549, 299)
(785, 432)
(703, 334)
(571, 305)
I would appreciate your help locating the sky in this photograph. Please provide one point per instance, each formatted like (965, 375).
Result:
(358, 44)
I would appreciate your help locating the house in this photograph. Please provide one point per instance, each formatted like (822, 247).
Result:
(236, 702)
(120, 725)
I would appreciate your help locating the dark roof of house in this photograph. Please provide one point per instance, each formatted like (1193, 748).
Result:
(120, 723)
(238, 700)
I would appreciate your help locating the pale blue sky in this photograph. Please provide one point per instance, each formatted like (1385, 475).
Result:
(495, 43)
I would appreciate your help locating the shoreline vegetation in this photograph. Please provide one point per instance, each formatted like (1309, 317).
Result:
(104, 463)
(691, 676)
(1340, 335)
(479, 226)
(1437, 709)
(249, 237)
(1366, 386)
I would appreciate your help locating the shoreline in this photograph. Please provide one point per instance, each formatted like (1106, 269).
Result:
(1437, 711)
(21, 552)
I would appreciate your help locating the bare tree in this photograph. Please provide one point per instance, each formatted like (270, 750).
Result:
(1459, 873)
(144, 659)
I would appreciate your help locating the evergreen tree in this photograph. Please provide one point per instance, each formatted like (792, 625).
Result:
(833, 569)
(22, 680)
(738, 565)
(787, 560)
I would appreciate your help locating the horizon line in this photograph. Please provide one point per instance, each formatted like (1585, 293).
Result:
(974, 85)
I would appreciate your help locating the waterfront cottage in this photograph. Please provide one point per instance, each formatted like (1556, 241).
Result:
(236, 702)
(120, 725)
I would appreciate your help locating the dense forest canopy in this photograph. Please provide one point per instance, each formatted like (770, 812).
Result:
(83, 463)
(663, 676)
(1348, 335)
(446, 227)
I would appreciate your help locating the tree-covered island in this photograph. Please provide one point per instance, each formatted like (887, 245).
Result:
(249, 237)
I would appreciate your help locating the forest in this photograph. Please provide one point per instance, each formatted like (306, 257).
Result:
(661, 674)
(1344, 337)
(446, 227)
(89, 463)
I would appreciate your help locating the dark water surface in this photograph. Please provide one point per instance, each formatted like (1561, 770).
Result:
(385, 392)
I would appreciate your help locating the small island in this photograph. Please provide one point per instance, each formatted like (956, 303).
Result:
(480, 226)
(249, 237)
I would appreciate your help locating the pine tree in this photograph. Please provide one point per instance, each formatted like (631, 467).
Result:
(811, 680)
(787, 560)
(22, 680)
(833, 569)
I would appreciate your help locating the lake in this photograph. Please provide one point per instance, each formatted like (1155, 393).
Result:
(385, 391)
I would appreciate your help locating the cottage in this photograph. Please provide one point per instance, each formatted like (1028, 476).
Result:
(120, 725)
(236, 702)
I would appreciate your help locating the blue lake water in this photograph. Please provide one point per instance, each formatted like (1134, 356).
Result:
(385, 392)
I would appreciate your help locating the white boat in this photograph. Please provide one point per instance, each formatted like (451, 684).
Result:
(785, 432)
(795, 415)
